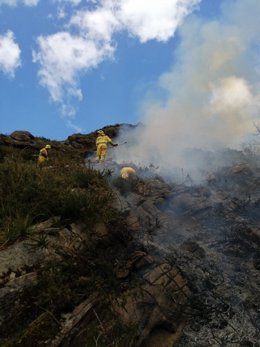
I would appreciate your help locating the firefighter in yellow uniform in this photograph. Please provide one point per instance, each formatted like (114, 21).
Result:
(127, 172)
(43, 154)
(101, 142)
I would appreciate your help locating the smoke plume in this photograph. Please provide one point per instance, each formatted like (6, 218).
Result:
(211, 93)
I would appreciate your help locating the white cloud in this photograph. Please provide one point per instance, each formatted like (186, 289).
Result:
(18, 2)
(72, 2)
(62, 57)
(96, 25)
(154, 19)
(63, 10)
(9, 54)
(73, 126)
(147, 20)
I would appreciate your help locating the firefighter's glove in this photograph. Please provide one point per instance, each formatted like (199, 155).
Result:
(115, 144)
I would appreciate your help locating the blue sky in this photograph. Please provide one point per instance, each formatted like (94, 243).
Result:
(123, 48)
(70, 66)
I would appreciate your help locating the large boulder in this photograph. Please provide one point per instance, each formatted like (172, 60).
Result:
(21, 135)
(156, 307)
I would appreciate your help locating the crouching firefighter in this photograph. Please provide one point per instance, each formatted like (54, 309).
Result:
(43, 154)
(101, 143)
(126, 172)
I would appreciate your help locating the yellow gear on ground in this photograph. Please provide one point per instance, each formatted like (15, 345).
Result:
(127, 171)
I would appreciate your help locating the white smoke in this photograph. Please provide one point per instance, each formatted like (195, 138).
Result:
(212, 90)
(231, 94)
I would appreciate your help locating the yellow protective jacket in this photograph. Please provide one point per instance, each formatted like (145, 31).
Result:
(43, 155)
(101, 143)
(43, 152)
(103, 140)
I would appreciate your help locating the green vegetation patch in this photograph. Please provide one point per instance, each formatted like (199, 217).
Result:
(67, 189)
(30, 194)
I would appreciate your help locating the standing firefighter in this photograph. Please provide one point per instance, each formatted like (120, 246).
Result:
(101, 142)
(43, 155)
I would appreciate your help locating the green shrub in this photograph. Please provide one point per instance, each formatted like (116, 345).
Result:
(17, 228)
(88, 177)
(30, 194)
(64, 187)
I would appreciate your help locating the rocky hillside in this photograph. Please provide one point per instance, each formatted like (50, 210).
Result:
(27, 145)
(90, 259)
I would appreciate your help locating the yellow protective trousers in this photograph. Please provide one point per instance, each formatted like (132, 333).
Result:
(41, 159)
(101, 151)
